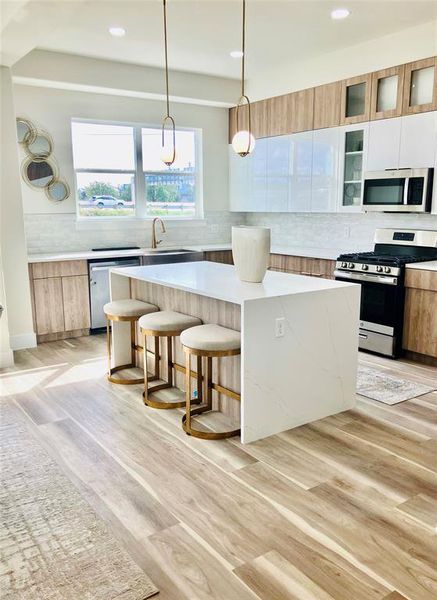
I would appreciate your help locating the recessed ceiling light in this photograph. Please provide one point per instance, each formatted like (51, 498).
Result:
(117, 31)
(236, 54)
(340, 13)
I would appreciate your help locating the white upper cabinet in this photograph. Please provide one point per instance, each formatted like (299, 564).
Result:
(301, 157)
(258, 176)
(325, 170)
(278, 173)
(239, 182)
(384, 142)
(418, 140)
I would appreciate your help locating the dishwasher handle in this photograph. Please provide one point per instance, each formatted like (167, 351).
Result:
(105, 268)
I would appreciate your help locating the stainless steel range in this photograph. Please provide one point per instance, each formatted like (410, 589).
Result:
(381, 275)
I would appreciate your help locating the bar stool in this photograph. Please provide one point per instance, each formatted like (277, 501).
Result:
(207, 341)
(125, 310)
(163, 324)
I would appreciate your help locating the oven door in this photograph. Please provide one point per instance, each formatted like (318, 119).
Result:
(381, 312)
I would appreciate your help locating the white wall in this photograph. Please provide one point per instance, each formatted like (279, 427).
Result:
(13, 248)
(52, 227)
(395, 49)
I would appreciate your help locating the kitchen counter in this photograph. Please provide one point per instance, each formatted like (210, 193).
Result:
(306, 373)
(430, 265)
(302, 251)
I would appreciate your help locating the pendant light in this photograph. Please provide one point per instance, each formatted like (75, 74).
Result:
(243, 141)
(168, 151)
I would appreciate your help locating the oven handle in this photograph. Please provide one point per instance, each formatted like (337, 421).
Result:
(366, 277)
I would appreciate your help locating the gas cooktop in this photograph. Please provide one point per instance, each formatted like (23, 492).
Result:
(378, 258)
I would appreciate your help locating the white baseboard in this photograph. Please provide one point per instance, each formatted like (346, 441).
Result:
(6, 359)
(22, 341)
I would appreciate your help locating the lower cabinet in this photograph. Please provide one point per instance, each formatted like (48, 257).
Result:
(60, 294)
(314, 267)
(420, 316)
(220, 256)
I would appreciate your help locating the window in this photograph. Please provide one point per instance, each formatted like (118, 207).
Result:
(119, 172)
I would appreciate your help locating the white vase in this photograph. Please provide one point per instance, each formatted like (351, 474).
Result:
(251, 252)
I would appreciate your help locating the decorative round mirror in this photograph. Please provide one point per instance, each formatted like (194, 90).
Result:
(41, 146)
(57, 190)
(38, 173)
(26, 132)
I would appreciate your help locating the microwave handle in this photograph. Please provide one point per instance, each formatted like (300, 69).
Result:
(406, 188)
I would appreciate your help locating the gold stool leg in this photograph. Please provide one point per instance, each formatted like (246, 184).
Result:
(132, 364)
(193, 412)
(188, 393)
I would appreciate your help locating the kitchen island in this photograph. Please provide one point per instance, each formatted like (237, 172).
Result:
(299, 338)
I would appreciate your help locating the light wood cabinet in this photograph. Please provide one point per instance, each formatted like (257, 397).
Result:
(299, 265)
(220, 256)
(60, 299)
(387, 93)
(420, 86)
(355, 99)
(281, 115)
(49, 310)
(327, 105)
(420, 316)
(75, 293)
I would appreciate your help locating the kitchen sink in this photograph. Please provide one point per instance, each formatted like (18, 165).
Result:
(173, 255)
(168, 251)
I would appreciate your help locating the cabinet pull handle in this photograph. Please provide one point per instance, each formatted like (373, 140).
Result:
(312, 274)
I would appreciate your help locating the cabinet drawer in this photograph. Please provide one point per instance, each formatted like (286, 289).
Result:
(62, 268)
(421, 279)
(49, 310)
(75, 291)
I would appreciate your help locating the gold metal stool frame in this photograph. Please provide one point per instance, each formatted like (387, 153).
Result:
(171, 365)
(209, 387)
(134, 348)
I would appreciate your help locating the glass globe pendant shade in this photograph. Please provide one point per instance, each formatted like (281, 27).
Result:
(243, 143)
(168, 154)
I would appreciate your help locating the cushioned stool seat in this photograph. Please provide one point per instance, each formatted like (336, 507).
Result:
(163, 324)
(211, 338)
(207, 342)
(166, 321)
(128, 308)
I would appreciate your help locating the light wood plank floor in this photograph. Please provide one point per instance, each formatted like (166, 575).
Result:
(343, 509)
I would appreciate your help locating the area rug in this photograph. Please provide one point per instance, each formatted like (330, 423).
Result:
(53, 545)
(375, 384)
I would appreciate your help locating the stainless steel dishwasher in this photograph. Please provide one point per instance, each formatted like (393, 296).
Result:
(99, 286)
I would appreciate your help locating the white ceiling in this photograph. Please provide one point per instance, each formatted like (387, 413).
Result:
(203, 32)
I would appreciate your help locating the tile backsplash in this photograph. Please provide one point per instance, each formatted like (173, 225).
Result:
(47, 233)
(59, 233)
(342, 231)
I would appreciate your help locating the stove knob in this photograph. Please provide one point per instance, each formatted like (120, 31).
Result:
(350, 265)
(343, 265)
(364, 267)
(387, 270)
(379, 269)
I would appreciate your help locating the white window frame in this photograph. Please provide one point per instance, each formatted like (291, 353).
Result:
(139, 176)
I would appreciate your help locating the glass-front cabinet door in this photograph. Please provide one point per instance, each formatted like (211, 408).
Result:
(355, 99)
(353, 158)
(420, 89)
(387, 88)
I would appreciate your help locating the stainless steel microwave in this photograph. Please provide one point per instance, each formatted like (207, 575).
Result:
(398, 190)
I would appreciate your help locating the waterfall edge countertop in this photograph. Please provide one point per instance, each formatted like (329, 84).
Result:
(220, 281)
(299, 336)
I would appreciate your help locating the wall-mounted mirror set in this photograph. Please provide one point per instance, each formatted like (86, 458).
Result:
(39, 169)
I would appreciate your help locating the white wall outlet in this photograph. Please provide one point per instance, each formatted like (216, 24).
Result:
(346, 231)
(280, 327)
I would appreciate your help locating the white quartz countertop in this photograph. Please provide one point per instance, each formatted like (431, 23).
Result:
(429, 265)
(303, 251)
(220, 281)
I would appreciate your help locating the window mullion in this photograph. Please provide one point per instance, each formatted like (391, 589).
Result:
(140, 186)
